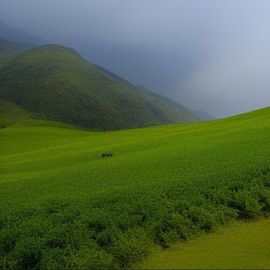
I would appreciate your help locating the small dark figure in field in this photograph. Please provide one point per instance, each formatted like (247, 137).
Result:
(107, 154)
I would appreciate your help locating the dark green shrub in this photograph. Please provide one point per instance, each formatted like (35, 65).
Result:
(166, 239)
(202, 219)
(54, 258)
(8, 262)
(57, 237)
(3, 262)
(67, 215)
(28, 253)
(170, 229)
(54, 207)
(98, 221)
(130, 247)
(8, 238)
(266, 181)
(106, 238)
(90, 258)
(264, 199)
(224, 214)
(34, 227)
(246, 204)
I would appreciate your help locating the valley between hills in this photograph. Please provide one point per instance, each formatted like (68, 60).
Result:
(98, 173)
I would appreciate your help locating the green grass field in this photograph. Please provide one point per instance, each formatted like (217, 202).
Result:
(62, 205)
(241, 246)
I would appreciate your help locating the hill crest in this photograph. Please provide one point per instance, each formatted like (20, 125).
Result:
(55, 83)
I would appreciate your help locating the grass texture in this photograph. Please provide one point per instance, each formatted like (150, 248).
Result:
(241, 246)
(63, 206)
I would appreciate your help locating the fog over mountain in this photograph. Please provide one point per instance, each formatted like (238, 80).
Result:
(211, 55)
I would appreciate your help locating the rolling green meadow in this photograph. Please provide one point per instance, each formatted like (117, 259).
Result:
(63, 206)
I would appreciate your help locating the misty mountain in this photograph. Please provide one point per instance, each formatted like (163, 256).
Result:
(16, 35)
(204, 115)
(156, 68)
(56, 83)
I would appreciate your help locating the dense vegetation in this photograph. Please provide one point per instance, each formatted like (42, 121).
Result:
(53, 82)
(10, 50)
(10, 113)
(63, 206)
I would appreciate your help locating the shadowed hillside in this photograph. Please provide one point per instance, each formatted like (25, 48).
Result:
(10, 50)
(55, 83)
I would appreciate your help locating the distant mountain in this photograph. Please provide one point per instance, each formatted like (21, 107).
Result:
(54, 82)
(189, 115)
(204, 115)
(13, 42)
(13, 34)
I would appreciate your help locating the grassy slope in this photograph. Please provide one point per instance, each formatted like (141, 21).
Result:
(10, 50)
(241, 246)
(5, 58)
(56, 83)
(163, 184)
(10, 113)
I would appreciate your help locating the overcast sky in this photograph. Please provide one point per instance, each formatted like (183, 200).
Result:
(211, 55)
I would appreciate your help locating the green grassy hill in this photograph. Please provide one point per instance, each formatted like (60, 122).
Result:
(10, 113)
(64, 206)
(55, 83)
(10, 50)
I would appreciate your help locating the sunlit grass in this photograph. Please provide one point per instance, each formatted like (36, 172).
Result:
(60, 200)
(241, 246)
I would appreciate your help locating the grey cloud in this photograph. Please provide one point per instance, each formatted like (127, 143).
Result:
(211, 55)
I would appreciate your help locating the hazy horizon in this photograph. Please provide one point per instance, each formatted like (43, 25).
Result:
(208, 55)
